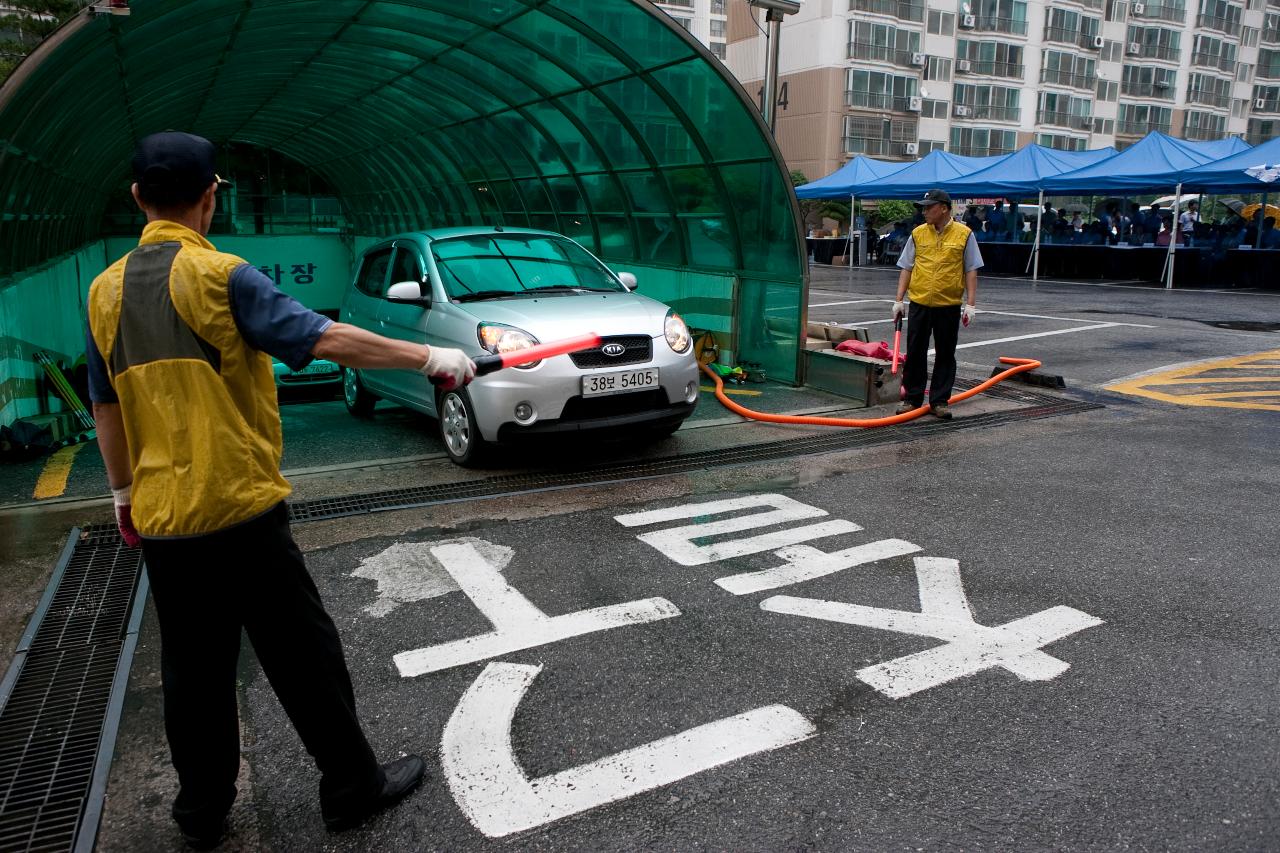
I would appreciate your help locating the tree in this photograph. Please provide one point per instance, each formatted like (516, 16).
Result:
(814, 210)
(26, 23)
(893, 211)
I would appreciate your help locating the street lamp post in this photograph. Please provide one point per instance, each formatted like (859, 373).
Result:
(775, 11)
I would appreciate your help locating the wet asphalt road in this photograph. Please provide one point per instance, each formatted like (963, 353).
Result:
(1154, 522)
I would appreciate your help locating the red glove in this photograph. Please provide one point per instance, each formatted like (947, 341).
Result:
(124, 516)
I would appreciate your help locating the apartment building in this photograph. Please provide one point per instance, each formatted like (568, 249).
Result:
(707, 20)
(896, 79)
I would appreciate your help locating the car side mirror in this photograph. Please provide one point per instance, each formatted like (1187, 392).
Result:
(629, 280)
(406, 291)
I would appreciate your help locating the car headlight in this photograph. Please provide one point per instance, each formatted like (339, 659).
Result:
(677, 332)
(499, 339)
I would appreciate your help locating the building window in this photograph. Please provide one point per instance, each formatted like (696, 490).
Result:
(1065, 111)
(1112, 51)
(1201, 125)
(982, 141)
(1249, 37)
(1068, 69)
(1148, 81)
(938, 69)
(934, 109)
(717, 7)
(1002, 16)
(996, 58)
(718, 48)
(1219, 15)
(942, 23)
(1105, 126)
(904, 9)
(927, 145)
(1271, 27)
(1071, 27)
(1210, 52)
(1261, 130)
(1244, 73)
(1141, 119)
(1154, 43)
(687, 23)
(989, 103)
(1268, 64)
(1170, 10)
(1062, 143)
(875, 136)
(1209, 90)
(1108, 90)
(878, 90)
(883, 43)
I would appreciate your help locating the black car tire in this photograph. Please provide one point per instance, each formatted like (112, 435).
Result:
(459, 433)
(359, 400)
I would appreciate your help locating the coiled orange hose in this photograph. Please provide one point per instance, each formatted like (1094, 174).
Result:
(1020, 365)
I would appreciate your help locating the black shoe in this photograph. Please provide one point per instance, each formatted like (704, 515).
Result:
(401, 777)
(204, 838)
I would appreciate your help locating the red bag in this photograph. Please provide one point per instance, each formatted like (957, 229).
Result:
(875, 349)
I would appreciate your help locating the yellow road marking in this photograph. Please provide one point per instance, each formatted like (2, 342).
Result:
(743, 392)
(53, 479)
(1265, 367)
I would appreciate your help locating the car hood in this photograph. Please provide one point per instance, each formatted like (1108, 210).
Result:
(548, 318)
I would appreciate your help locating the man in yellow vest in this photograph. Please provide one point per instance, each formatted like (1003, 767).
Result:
(185, 402)
(940, 274)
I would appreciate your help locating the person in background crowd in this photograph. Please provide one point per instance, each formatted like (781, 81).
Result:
(1251, 229)
(1077, 223)
(1136, 222)
(1153, 222)
(1062, 227)
(1168, 231)
(1270, 237)
(970, 218)
(1187, 221)
(1017, 223)
(1048, 220)
(996, 222)
(1106, 220)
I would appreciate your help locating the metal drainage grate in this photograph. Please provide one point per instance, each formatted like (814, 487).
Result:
(60, 700)
(1035, 406)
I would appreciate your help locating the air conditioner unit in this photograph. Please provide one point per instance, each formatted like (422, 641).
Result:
(1139, 8)
(912, 148)
(962, 65)
(962, 110)
(1098, 42)
(1134, 48)
(917, 59)
(915, 103)
(968, 22)
(1260, 104)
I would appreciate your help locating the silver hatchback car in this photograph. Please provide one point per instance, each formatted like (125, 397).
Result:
(491, 290)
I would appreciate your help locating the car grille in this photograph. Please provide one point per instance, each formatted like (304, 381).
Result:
(590, 408)
(639, 348)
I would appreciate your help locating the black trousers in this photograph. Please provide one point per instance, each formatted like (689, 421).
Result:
(251, 577)
(943, 324)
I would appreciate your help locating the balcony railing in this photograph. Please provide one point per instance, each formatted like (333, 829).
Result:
(1209, 60)
(1265, 72)
(1224, 25)
(1067, 78)
(1151, 12)
(995, 69)
(1001, 25)
(1204, 133)
(976, 151)
(1269, 105)
(876, 101)
(881, 53)
(1271, 34)
(1162, 90)
(1209, 99)
(1066, 35)
(1156, 51)
(1142, 128)
(1071, 120)
(896, 8)
(874, 147)
(989, 112)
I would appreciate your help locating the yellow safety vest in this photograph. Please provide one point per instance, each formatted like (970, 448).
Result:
(199, 404)
(937, 279)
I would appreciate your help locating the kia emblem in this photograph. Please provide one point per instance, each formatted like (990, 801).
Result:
(613, 350)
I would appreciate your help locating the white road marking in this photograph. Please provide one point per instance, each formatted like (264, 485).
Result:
(408, 571)
(848, 302)
(945, 615)
(518, 622)
(677, 542)
(1035, 335)
(499, 798)
(804, 562)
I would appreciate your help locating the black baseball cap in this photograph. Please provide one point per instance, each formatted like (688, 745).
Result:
(175, 168)
(935, 197)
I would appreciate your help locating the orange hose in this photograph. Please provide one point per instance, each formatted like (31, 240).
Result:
(1021, 365)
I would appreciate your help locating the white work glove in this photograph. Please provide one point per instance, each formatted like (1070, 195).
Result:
(124, 516)
(967, 313)
(899, 310)
(448, 368)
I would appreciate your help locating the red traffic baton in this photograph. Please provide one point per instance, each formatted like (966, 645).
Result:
(897, 341)
(489, 363)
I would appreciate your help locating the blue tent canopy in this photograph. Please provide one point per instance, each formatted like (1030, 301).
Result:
(1153, 162)
(1228, 174)
(850, 178)
(1022, 173)
(935, 169)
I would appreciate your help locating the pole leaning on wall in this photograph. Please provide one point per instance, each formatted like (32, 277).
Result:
(1173, 239)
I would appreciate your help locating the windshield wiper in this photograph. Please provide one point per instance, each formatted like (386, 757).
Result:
(484, 294)
(569, 288)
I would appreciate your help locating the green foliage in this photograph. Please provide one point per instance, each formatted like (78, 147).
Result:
(892, 210)
(28, 24)
(814, 210)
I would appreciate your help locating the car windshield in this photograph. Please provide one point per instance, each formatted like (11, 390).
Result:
(492, 266)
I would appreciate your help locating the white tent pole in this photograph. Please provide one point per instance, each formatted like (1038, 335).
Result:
(1173, 237)
(849, 243)
(1035, 250)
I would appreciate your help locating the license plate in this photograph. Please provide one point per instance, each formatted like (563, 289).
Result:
(621, 382)
(316, 367)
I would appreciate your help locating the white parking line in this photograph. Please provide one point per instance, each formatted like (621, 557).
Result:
(1036, 335)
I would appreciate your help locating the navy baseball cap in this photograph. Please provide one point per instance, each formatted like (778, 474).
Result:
(174, 167)
(935, 197)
